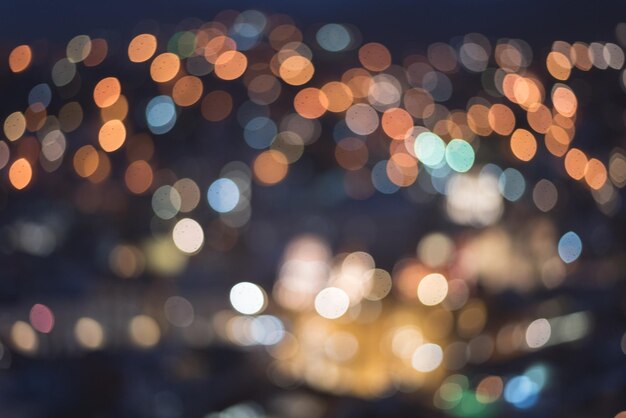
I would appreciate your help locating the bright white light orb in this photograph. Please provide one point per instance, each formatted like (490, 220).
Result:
(188, 236)
(427, 357)
(247, 298)
(332, 302)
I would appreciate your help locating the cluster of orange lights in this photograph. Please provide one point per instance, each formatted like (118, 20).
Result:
(373, 97)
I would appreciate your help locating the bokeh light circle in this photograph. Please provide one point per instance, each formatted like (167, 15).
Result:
(223, 195)
(460, 155)
(570, 247)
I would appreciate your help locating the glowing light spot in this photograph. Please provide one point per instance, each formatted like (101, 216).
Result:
(429, 149)
(442, 56)
(564, 100)
(478, 119)
(107, 91)
(35, 117)
(20, 58)
(223, 195)
(538, 333)
(270, 167)
(427, 357)
(142, 47)
(248, 27)
(351, 153)
(432, 289)
(489, 389)
(362, 119)
(559, 66)
(580, 56)
(381, 180)
(89, 333)
(264, 89)
(144, 331)
(164, 67)
(511, 184)
(617, 168)
(14, 126)
(5, 154)
(310, 103)
(332, 303)
(570, 247)
(296, 70)
(41, 318)
(474, 56)
(339, 96)
(523, 144)
(575, 163)
(247, 298)
(459, 155)
(557, 140)
(501, 119)
(402, 169)
(545, 195)
(435, 250)
(526, 92)
(187, 90)
(20, 173)
(284, 34)
(230, 65)
(63, 72)
(161, 114)
(126, 261)
(138, 176)
(78, 48)
(267, 330)
(189, 194)
(119, 110)
(166, 202)
(112, 135)
(188, 236)
(521, 392)
(374, 56)
(39, 97)
(103, 170)
(378, 283)
(217, 46)
(539, 118)
(396, 123)
(359, 81)
(98, 52)
(333, 37)
(24, 337)
(595, 174)
(70, 116)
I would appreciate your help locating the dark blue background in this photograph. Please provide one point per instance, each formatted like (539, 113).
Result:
(389, 20)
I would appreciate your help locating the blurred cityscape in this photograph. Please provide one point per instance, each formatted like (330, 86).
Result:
(303, 213)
